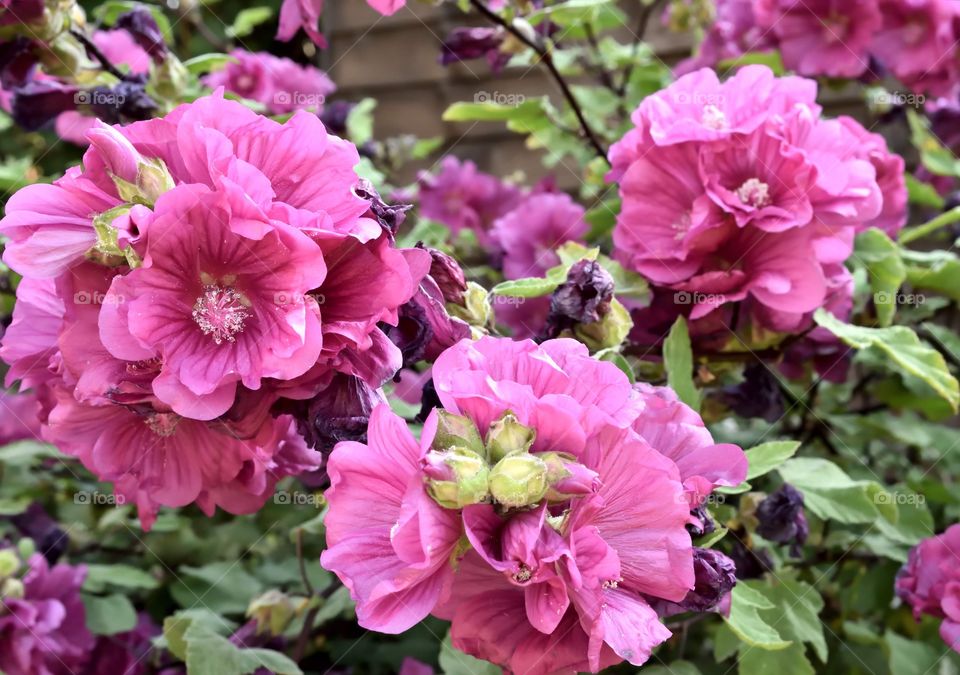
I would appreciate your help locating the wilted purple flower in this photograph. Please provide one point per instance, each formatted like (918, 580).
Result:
(338, 413)
(125, 102)
(17, 61)
(139, 22)
(464, 44)
(448, 275)
(36, 524)
(20, 11)
(782, 519)
(716, 575)
(334, 116)
(425, 329)
(39, 102)
(126, 653)
(390, 216)
(583, 298)
(750, 563)
(43, 631)
(759, 394)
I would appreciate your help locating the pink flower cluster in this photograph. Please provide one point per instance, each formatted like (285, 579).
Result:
(43, 625)
(520, 229)
(305, 14)
(930, 582)
(741, 192)
(916, 40)
(194, 270)
(544, 510)
(282, 85)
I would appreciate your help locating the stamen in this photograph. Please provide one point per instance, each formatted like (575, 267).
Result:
(754, 193)
(220, 313)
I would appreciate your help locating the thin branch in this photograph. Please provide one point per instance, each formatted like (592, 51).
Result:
(547, 60)
(94, 51)
(642, 20)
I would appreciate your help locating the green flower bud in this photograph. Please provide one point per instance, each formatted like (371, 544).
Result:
(475, 308)
(9, 563)
(519, 480)
(456, 431)
(567, 478)
(507, 436)
(12, 588)
(273, 611)
(456, 477)
(607, 333)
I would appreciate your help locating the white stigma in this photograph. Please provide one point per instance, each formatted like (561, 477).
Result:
(220, 313)
(754, 192)
(713, 117)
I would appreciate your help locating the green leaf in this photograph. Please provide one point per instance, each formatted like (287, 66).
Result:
(795, 612)
(208, 653)
(455, 662)
(678, 361)
(569, 13)
(531, 287)
(766, 457)
(26, 453)
(902, 349)
(99, 577)
(934, 156)
(908, 657)
(108, 12)
(248, 19)
(885, 270)
(360, 121)
(746, 622)
(831, 494)
(207, 63)
(770, 59)
(524, 115)
(923, 194)
(225, 587)
(937, 271)
(109, 615)
(789, 661)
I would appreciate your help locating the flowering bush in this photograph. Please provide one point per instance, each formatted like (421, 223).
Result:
(277, 383)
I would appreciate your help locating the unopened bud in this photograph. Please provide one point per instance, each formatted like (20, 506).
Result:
(448, 274)
(273, 611)
(12, 589)
(9, 563)
(507, 436)
(456, 431)
(609, 332)
(475, 307)
(518, 480)
(568, 478)
(456, 477)
(139, 180)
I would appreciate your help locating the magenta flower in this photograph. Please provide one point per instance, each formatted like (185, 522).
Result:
(279, 83)
(20, 11)
(297, 14)
(930, 582)
(547, 523)
(463, 198)
(19, 417)
(530, 234)
(822, 37)
(734, 32)
(43, 631)
(741, 192)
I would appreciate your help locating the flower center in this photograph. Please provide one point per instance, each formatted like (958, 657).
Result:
(163, 424)
(835, 28)
(754, 192)
(523, 575)
(221, 312)
(713, 117)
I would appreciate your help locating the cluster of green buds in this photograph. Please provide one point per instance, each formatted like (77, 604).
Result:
(10, 585)
(463, 469)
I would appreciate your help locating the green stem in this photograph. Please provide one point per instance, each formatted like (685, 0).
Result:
(947, 218)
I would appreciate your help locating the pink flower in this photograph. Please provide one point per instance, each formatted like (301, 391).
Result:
(734, 32)
(30, 343)
(530, 233)
(822, 37)
(19, 417)
(917, 43)
(590, 522)
(930, 582)
(43, 632)
(396, 559)
(741, 192)
(463, 198)
(279, 83)
(297, 14)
